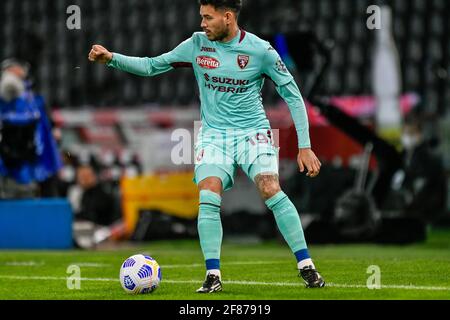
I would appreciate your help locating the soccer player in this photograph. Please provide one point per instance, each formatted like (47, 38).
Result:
(230, 66)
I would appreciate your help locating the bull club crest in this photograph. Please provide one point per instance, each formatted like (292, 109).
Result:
(243, 61)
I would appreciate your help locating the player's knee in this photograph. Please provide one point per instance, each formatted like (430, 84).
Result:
(268, 186)
(212, 184)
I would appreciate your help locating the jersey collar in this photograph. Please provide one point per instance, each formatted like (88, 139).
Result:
(235, 41)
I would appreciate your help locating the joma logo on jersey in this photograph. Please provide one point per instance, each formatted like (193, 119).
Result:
(243, 61)
(207, 62)
(206, 49)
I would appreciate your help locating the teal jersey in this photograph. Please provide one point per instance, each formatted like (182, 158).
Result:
(230, 77)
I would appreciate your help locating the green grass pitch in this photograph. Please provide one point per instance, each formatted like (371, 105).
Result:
(265, 271)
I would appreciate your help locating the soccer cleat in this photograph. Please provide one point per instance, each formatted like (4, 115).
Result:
(311, 277)
(211, 284)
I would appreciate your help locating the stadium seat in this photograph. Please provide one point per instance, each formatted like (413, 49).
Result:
(140, 28)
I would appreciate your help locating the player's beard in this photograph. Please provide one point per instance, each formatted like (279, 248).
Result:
(221, 34)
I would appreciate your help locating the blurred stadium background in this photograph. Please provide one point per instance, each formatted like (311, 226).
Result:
(121, 125)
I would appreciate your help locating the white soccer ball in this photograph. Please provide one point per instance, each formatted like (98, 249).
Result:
(140, 274)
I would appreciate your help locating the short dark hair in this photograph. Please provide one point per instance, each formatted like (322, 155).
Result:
(235, 5)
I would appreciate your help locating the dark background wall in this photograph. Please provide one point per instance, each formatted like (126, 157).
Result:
(36, 30)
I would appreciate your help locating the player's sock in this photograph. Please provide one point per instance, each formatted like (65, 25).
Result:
(215, 272)
(289, 224)
(303, 259)
(210, 228)
(213, 267)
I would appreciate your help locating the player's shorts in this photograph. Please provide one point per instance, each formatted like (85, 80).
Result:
(220, 153)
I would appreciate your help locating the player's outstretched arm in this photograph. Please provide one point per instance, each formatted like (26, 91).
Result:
(145, 67)
(100, 54)
(135, 65)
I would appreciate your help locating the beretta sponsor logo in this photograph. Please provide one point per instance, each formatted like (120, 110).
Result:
(207, 62)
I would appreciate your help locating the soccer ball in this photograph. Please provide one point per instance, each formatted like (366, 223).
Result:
(140, 274)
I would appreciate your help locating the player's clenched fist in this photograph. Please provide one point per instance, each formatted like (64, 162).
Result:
(99, 53)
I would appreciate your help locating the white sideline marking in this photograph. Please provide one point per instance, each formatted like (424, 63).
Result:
(91, 264)
(254, 283)
(23, 263)
(55, 278)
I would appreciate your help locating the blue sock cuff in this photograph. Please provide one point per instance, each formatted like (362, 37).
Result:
(210, 197)
(302, 255)
(270, 203)
(212, 264)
